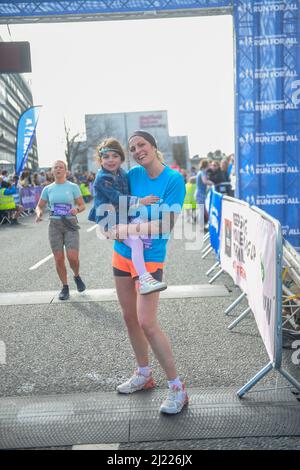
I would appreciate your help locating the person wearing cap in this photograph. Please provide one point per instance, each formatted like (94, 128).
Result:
(65, 201)
(150, 176)
(112, 202)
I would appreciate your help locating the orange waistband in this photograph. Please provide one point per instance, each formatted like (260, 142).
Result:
(126, 265)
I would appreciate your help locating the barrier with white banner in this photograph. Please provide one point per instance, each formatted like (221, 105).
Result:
(251, 252)
(248, 254)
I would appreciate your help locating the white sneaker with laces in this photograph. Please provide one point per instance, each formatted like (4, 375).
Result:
(136, 382)
(175, 401)
(147, 284)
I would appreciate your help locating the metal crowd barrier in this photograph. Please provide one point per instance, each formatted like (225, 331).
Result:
(291, 287)
(288, 258)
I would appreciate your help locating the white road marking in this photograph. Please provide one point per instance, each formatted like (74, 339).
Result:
(92, 228)
(105, 295)
(96, 447)
(44, 260)
(2, 353)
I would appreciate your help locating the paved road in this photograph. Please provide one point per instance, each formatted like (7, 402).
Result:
(81, 347)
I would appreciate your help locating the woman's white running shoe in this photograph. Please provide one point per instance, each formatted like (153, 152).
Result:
(136, 382)
(147, 284)
(175, 401)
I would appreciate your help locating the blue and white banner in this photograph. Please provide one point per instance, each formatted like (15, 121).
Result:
(25, 135)
(36, 8)
(268, 109)
(215, 214)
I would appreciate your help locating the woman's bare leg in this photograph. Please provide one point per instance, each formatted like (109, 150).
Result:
(147, 316)
(127, 296)
(73, 258)
(59, 258)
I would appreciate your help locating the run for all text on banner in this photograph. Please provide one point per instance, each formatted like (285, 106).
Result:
(268, 109)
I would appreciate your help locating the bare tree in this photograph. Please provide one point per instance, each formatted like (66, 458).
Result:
(99, 128)
(72, 144)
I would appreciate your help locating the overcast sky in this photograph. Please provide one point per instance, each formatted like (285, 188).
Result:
(182, 65)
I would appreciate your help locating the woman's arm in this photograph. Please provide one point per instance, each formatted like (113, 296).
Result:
(39, 209)
(173, 197)
(155, 227)
(80, 206)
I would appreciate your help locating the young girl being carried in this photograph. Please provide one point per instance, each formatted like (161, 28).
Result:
(111, 191)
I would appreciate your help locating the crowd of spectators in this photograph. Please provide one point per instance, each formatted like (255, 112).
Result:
(11, 189)
(198, 181)
(210, 173)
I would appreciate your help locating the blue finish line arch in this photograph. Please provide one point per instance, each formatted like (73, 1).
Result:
(267, 85)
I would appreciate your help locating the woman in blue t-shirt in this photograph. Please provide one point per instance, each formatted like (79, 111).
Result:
(65, 202)
(151, 176)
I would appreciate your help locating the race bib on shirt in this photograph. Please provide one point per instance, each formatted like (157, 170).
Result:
(62, 209)
(147, 242)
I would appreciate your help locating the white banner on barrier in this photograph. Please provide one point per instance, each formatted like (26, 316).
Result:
(248, 254)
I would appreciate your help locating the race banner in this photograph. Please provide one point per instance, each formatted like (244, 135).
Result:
(25, 135)
(268, 109)
(59, 8)
(248, 254)
(215, 214)
(30, 196)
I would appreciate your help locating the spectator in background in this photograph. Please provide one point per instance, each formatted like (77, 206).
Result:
(230, 160)
(71, 178)
(91, 179)
(219, 177)
(193, 171)
(184, 174)
(25, 180)
(213, 172)
(4, 175)
(226, 177)
(190, 203)
(8, 203)
(224, 169)
(49, 179)
(42, 177)
(175, 166)
(202, 183)
(85, 191)
(36, 179)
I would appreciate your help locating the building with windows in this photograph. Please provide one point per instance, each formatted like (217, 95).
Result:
(122, 125)
(15, 98)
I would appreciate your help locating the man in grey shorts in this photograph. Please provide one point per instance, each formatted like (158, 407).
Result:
(65, 201)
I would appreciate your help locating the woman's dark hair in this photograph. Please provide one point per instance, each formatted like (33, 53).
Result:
(146, 136)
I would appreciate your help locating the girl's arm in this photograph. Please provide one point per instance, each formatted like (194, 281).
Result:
(106, 186)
